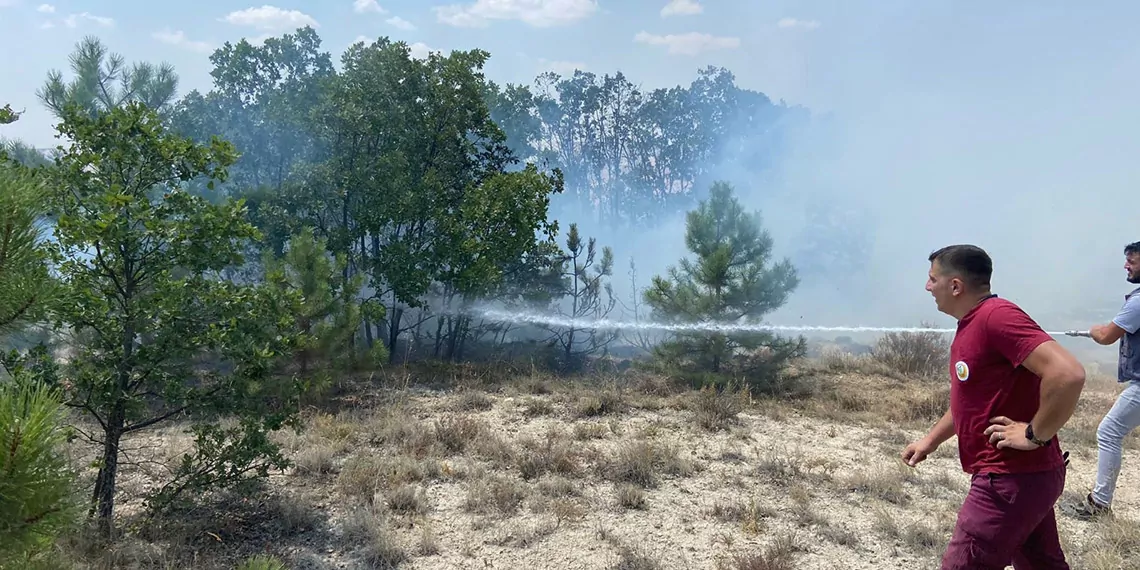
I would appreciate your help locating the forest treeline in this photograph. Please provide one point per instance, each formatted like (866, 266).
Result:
(213, 258)
(401, 165)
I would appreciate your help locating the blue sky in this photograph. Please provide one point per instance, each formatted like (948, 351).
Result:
(655, 42)
(825, 54)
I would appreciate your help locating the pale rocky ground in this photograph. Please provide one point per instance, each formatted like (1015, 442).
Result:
(624, 476)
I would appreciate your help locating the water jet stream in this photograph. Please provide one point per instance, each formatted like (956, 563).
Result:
(705, 326)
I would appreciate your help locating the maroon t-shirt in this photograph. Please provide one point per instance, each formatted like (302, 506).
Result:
(987, 380)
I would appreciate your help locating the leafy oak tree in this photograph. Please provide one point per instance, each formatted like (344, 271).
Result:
(163, 336)
(488, 244)
(731, 280)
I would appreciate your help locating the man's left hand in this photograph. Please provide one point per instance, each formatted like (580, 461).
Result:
(1008, 434)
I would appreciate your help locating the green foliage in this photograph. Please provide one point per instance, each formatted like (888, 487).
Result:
(27, 286)
(495, 224)
(261, 102)
(512, 108)
(584, 281)
(7, 115)
(324, 307)
(399, 163)
(262, 562)
(164, 337)
(23, 153)
(428, 207)
(37, 500)
(103, 81)
(406, 188)
(37, 492)
(730, 281)
(633, 157)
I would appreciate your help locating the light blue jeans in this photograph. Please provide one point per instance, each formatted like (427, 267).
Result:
(1116, 425)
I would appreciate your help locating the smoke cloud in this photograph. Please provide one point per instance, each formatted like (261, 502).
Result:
(1011, 127)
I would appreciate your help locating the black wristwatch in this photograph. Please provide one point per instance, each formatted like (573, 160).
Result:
(1029, 435)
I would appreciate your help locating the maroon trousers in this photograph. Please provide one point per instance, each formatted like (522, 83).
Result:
(1008, 519)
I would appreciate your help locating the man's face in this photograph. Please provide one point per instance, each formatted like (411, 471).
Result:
(1132, 266)
(941, 287)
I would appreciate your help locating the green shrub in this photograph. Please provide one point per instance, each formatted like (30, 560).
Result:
(37, 486)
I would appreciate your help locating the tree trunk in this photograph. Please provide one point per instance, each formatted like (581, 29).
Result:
(463, 339)
(394, 333)
(103, 499)
(458, 324)
(417, 334)
(439, 335)
(104, 496)
(364, 269)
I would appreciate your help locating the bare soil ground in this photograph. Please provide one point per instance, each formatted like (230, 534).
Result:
(629, 473)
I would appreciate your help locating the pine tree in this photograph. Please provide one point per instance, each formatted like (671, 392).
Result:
(732, 280)
(37, 486)
(325, 311)
(25, 283)
(584, 282)
(37, 499)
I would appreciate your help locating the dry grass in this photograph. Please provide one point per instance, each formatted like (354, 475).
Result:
(914, 354)
(779, 555)
(543, 474)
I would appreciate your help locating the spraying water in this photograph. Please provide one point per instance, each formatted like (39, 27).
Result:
(706, 326)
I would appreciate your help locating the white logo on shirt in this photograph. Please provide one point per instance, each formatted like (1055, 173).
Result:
(962, 371)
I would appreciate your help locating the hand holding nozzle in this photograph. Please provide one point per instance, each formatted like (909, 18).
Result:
(1078, 333)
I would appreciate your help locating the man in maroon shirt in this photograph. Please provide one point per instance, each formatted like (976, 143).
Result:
(1012, 387)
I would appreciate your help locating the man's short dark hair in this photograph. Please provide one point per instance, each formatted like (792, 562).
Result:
(1132, 248)
(969, 262)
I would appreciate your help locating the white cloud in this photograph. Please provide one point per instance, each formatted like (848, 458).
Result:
(270, 18)
(537, 13)
(796, 23)
(691, 43)
(681, 8)
(362, 6)
(420, 50)
(178, 38)
(563, 68)
(72, 21)
(46, 9)
(401, 23)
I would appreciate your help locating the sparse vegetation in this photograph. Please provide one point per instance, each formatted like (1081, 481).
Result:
(262, 562)
(442, 495)
(717, 409)
(779, 555)
(915, 354)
